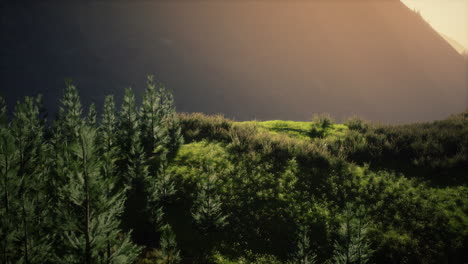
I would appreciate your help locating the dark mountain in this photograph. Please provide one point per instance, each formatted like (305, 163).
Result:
(264, 60)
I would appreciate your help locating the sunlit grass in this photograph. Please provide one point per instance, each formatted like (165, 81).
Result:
(296, 129)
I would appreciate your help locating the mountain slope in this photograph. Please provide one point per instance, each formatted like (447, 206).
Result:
(264, 60)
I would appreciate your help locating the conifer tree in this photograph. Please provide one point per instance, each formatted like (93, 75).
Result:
(207, 212)
(91, 212)
(34, 220)
(352, 246)
(161, 131)
(133, 170)
(171, 120)
(92, 115)
(161, 138)
(108, 133)
(132, 164)
(154, 136)
(70, 113)
(9, 187)
(168, 253)
(64, 133)
(207, 209)
(108, 151)
(304, 254)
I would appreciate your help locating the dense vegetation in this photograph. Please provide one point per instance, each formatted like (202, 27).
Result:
(144, 184)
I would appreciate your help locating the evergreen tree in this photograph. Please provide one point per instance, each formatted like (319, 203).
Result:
(168, 253)
(352, 246)
(10, 185)
(108, 133)
(161, 188)
(304, 254)
(154, 136)
(132, 162)
(207, 209)
(108, 152)
(34, 219)
(92, 115)
(161, 138)
(161, 130)
(64, 133)
(91, 211)
(176, 138)
(133, 170)
(207, 213)
(70, 119)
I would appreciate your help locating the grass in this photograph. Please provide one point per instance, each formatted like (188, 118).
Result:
(295, 128)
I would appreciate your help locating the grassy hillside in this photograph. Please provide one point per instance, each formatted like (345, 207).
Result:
(276, 176)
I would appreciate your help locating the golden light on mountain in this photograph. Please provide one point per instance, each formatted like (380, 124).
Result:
(449, 17)
(246, 59)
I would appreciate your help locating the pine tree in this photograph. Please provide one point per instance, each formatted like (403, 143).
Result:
(91, 212)
(133, 170)
(207, 209)
(92, 115)
(161, 188)
(154, 136)
(161, 130)
(161, 138)
(64, 133)
(108, 152)
(352, 246)
(304, 254)
(108, 133)
(27, 129)
(70, 119)
(168, 253)
(176, 138)
(207, 212)
(9, 187)
(132, 165)
(171, 120)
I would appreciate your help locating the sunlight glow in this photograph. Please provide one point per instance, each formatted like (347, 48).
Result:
(449, 17)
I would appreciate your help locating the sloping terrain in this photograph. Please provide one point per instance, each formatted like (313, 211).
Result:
(247, 60)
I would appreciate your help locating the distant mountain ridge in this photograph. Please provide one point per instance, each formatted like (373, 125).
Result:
(247, 60)
(455, 44)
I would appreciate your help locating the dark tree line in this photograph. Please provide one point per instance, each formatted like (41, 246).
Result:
(77, 190)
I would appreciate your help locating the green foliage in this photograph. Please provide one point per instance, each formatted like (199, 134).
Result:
(352, 245)
(24, 203)
(357, 125)
(304, 254)
(83, 190)
(197, 126)
(436, 152)
(10, 185)
(92, 115)
(249, 258)
(168, 254)
(70, 119)
(91, 226)
(321, 126)
(207, 212)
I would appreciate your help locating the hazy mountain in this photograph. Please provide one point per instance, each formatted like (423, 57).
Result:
(264, 60)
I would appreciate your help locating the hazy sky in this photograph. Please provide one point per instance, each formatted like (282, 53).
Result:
(449, 17)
